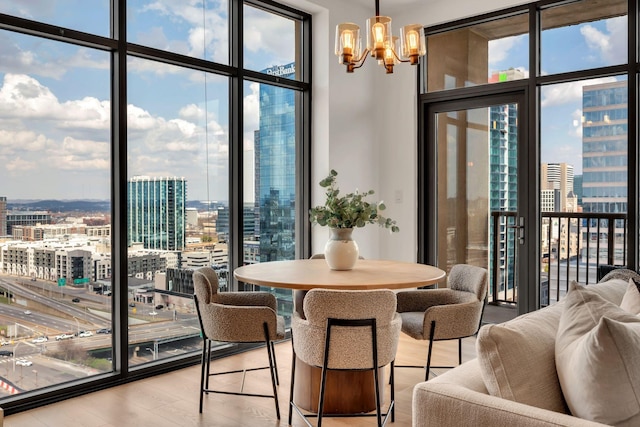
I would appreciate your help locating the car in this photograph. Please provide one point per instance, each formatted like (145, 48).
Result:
(27, 312)
(23, 362)
(4, 342)
(39, 340)
(6, 353)
(64, 336)
(103, 331)
(84, 334)
(132, 304)
(159, 307)
(75, 300)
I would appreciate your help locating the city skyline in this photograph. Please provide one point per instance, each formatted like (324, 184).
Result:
(55, 114)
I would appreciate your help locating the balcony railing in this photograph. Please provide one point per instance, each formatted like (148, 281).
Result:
(573, 247)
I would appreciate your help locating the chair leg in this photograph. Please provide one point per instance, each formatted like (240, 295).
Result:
(325, 364)
(293, 375)
(206, 385)
(203, 370)
(374, 352)
(377, 390)
(272, 356)
(431, 335)
(275, 362)
(393, 392)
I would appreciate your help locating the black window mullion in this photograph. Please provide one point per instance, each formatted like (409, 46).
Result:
(236, 173)
(119, 211)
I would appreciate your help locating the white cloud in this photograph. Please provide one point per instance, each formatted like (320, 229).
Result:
(24, 97)
(208, 29)
(576, 124)
(565, 93)
(270, 35)
(15, 141)
(251, 116)
(610, 46)
(192, 112)
(18, 59)
(499, 48)
(20, 165)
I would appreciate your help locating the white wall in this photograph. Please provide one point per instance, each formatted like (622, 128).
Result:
(364, 124)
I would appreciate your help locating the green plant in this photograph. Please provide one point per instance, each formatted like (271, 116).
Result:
(348, 211)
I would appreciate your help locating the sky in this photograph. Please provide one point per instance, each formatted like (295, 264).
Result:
(577, 47)
(55, 97)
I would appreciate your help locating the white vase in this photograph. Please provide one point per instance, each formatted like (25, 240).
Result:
(341, 251)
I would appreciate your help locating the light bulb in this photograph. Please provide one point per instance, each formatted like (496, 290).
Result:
(413, 41)
(389, 57)
(378, 34)
(347, 41)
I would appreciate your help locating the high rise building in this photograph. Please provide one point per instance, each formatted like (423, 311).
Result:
(17, 218)
(604, 147)
(275, 165)
(503, 183)
(157, 212)
(559, 177)
(3, 216)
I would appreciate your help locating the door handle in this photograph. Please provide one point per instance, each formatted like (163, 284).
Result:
(520, 229)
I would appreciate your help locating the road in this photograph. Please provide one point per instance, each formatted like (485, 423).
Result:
(152, 333)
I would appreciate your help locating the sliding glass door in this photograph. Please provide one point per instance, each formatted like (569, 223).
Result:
(475, 189)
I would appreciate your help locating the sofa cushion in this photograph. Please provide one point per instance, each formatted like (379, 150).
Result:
(597, 359)
(631, 299)
(517, 359)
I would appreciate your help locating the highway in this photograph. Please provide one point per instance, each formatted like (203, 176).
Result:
(42, 309)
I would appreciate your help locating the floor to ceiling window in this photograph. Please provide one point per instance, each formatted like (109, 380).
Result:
(576, 65)
(136, 146)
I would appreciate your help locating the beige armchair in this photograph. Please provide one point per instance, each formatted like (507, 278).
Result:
(235, 317)
(445, 314)
(346, 330)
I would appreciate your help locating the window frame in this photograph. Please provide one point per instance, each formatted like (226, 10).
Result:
(120, 49)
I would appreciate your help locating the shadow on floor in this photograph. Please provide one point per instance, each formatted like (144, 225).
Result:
(498, 313)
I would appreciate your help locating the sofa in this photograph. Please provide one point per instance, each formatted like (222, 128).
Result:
(557, 366)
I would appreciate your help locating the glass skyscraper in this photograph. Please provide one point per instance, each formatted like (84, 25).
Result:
(157, 212)
(604, 147)
(276, 168)
(503, 184)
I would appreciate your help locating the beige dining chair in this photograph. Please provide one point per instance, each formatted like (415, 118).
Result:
(235, 317)
(346, 330)
(448, 313)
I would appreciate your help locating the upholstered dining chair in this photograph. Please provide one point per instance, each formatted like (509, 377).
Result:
(235, 317)
(346, 330)
(448, 313)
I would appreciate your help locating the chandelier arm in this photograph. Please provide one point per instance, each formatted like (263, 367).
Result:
(377, 2)
(360, 62)
(398, 58)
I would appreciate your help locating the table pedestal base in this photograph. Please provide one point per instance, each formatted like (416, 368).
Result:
(346, 392)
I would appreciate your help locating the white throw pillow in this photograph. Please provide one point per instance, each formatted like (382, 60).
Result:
(597, 359)
(517, 359)
(631, 299)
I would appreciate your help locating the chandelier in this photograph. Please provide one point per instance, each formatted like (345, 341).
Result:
(381, 43)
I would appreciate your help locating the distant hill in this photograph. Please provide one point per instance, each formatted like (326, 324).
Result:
(60, 205)
(76, 205)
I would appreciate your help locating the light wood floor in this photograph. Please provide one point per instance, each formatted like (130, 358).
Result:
(172, 399)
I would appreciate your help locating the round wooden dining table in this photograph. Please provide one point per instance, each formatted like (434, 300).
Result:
(305, 274)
